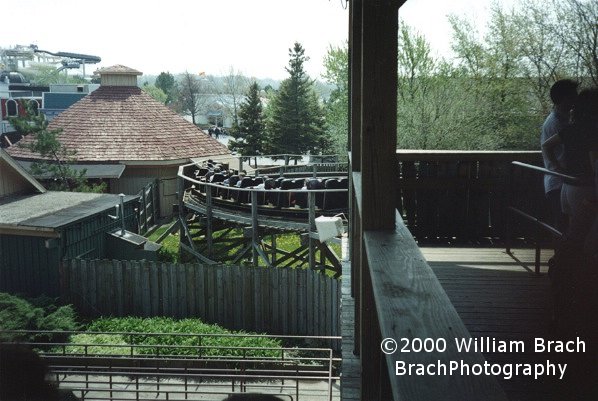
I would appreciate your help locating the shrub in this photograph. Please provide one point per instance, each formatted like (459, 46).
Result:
(210, 345)
(98, 344)
(19, 314)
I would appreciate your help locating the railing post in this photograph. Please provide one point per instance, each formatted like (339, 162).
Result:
(311, 200)
(509, 195)
(254, 228)
(370, 337)
(208, 219)
(538, 249)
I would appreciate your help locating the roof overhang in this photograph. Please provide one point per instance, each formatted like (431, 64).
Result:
(91, 170)
(28, 231)
(20, 170)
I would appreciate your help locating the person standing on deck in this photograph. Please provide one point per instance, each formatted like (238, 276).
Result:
(580, 144)
(563, 94)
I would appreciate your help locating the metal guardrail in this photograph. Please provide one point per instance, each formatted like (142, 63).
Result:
(287, 158)
(541, 225)
(104, 372)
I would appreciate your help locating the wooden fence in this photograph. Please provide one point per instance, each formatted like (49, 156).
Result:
(465, 194)
(273, 300)
(148, 208)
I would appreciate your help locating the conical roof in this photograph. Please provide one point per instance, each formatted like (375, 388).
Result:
(123, 123)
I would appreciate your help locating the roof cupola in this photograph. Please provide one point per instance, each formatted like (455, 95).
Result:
(118, 75)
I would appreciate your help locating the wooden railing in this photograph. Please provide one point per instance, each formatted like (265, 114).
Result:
(464, 195)
(456, 195)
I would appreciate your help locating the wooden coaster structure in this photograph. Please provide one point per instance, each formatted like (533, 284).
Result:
(229, 224)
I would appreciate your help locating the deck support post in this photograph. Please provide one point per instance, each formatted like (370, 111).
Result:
(311, 204)
(254, 228)
(373, 154)
(209, 215)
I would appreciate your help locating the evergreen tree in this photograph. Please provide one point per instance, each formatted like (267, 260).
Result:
(295, 118)
(165, 81)
(248, 139)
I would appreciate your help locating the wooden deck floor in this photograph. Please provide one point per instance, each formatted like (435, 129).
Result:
(497, 296)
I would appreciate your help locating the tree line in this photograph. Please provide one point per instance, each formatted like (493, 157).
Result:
(494, 93)
(290, 119)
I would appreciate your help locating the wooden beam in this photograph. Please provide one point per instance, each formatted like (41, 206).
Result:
(378, 113)
(411, 303)
(354, 143)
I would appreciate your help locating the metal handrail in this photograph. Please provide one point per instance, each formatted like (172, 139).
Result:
(568, 178)
(133, 333)
(536, 221)
(98, 376)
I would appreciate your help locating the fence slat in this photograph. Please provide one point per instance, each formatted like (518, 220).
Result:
(146, 302)
(236, 296)
(248, 298)
(165, 290)
(200, 298)
(276, 300)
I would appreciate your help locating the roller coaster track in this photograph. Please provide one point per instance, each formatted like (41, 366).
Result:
(210, 205)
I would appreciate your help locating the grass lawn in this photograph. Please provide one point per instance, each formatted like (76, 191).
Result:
(170, 245)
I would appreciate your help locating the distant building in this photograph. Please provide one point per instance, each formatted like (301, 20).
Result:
(15, 94)
(61, 97)
(123, 136)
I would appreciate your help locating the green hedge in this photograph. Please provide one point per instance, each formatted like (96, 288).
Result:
(148, 344)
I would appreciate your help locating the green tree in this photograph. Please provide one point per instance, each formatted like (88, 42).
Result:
(166, 82)
(575, 24)
(55, 164)
(336, 64)
(434, 99)
(248, 139)
(155, 92)
(502, 108)
(295, 121)
(544, 58)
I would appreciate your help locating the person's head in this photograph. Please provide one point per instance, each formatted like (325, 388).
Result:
(585, 108)
(563, 93)
(23, 375)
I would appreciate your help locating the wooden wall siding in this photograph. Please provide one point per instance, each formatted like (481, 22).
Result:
(27, 266)
(134, 179)
(10, 181)
(87, 238)
(466, 197)
(30, 266)
(148, 208)
(273, 300)
(119, 80)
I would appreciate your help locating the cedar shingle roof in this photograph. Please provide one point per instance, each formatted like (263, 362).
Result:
(118, 123)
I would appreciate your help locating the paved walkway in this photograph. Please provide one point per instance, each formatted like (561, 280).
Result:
(127, 388)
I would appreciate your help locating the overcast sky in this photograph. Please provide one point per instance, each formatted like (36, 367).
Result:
(208, 36)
